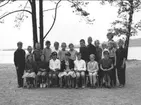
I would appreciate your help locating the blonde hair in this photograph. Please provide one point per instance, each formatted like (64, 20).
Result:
(63, 44)
(104, 44)
(92, 55)
(114, 44)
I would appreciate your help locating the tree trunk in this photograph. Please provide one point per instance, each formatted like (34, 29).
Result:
(129, 27)
(34, 22)
(41, 23)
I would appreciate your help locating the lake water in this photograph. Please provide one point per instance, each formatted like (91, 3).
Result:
(7, 56)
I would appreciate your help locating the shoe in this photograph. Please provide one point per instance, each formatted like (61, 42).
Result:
(19, 86)
(94, 87)
(120, 86)
(109, 87)
(76, 87)
(28, 86)
(83, 87)
(44, 85)
(41, 86)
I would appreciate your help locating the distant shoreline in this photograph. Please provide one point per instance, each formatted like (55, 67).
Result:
(26, 49)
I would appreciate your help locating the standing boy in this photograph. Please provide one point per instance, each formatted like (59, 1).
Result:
(112, 56)
(98, 50)
(63, 51)
(84, 51)
(47, 52)
(72, 52)
(19, 61)
(121, 63)
(91, 47)
(37, 53)
(110, 36)
(56, 47)
(99, 56)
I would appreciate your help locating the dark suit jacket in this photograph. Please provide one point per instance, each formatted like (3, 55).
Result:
(92, 50)
(19, 58)
(120, 55)
(84, 53)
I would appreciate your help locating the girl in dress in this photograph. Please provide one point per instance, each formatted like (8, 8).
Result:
(92, 68)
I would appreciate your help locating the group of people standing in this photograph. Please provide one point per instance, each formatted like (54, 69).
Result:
(93, 66)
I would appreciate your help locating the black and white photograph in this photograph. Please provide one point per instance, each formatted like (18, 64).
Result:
(70, 52)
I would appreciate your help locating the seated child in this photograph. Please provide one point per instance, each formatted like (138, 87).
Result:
(80, 68)
(92, 68)
(68, 73)
(106, 65)
(42, 72)
(54, 66)
(29, 74)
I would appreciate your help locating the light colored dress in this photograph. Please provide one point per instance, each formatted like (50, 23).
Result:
(92, 68)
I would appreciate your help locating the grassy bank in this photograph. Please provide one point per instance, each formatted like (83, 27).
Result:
(129, 95)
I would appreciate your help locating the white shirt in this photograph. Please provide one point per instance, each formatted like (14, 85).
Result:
(54, 50)
(54, 64)
(92, 66)
(80, 65)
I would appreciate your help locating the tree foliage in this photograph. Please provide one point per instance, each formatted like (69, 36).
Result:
(77, 5)
(125, 25)
(120, 26)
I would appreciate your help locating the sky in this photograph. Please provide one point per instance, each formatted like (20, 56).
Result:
(69, 27)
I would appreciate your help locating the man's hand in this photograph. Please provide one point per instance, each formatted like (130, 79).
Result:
(105, 69)
(56, 69)
(122, 66)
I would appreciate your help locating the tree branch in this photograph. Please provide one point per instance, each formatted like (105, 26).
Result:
(15, 12)
(53, 19)
(30, 2)
(5, 3)
(51, 9)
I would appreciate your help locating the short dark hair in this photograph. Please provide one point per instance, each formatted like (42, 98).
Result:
(47, 42)
(78, 53)
(105, 52)
(71, 44)
(56, 43)
(54, 53)
(19, 43)
(64, 44)
(82, 40)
